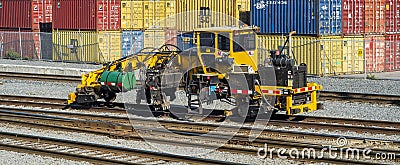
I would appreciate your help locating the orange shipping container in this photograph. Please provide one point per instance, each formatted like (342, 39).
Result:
(375, 16)
(375, 53)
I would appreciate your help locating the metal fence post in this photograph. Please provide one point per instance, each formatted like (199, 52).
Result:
(20, 43)
(365, 57)
(40, 46)
(1, 45)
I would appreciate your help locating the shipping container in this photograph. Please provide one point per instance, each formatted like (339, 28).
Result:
(375, 16)
(392, 17)
(19, 44)
(353, 17)
(86, 46)
(353, 54)
(185, 41)
(145, 14)
(205, 13)
(132, 42)
(243, 5)
(392, 53)
(375, 53)
(87, 14)
(330, 55)
(316, 17)
(25, 14)
(155, 38)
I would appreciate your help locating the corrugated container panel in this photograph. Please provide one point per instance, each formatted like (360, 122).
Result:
(155, 38)
(205, 13)
(132, 42)
(353, 54)
(392, 53)
(353, 17)
(15, 14)
(86, 46)
(375, 16)
(315, 17)
(185, 41)
(13, 43)
(87, 14)
(375, 53)
(243, 5)
(171, 38)
(330, 55)
(305, 48)
(41, 12)
(392, 17)
(109, 45)
(75, 46)
(147, 14)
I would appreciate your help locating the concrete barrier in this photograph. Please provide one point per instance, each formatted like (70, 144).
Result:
(43, 70)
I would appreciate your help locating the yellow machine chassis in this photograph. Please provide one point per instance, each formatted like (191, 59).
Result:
(289, 92)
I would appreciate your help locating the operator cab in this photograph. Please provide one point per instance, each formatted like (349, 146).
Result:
(221, 47)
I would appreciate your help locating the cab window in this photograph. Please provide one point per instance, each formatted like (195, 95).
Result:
(207, 42)
(223, 42)
(244, 42)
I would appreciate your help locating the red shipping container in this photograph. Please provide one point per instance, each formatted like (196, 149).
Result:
(392, 53)
(375, 53)
(170, 38)
(87, 14)
(375, 16)
(353, 17)
(25, 14)
(392, 17)
(17, 42)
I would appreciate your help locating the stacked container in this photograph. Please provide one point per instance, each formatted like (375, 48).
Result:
(318, 41)
(315, 17)
(392, 38)
(150, 22)
(86, 30)
(20, 24)
(369, 30)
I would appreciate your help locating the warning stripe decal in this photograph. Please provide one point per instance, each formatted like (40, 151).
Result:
(275, 92)
(237, 91)
(305, 89)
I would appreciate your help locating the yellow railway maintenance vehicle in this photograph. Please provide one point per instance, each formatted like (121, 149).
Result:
(225, 65)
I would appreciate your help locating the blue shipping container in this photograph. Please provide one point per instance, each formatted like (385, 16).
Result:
(132, 42)
(185, 41)
(306, 17)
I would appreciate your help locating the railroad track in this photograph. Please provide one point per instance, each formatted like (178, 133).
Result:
(187, 126)
(357, 125)
(360, 97)
(92, 152)
(41, 77)
(234, 145)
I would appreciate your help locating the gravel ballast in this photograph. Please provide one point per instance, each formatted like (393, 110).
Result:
(10, 157)
(36, 88)
(388, 87)
(356, 110)
(50, 64)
